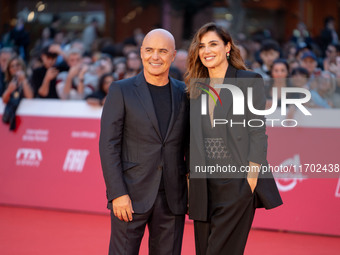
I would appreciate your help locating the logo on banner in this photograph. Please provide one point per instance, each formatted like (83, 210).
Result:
(84, 134)
(75, 160)
(28, 157)
(288, 184)
(36, 135)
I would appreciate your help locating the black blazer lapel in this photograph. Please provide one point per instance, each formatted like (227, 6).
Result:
(196, 136)
(145, 98)
(226, 98)
(221, 112)
(176, 99)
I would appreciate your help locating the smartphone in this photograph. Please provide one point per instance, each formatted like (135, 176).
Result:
(338, 60)
(58, 67)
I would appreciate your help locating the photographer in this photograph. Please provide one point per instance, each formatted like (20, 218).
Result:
(70, 84)
(98, 98)
(17, 87)
(133, 64)
(44, 78)
(5, 55)
(16, 79)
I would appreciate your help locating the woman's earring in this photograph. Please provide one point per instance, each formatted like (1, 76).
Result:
(228, 54)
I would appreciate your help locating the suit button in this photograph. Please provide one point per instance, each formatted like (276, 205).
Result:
(159, 168)
(239, 138)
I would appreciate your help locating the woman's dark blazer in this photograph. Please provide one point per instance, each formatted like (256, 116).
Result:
(245, 143)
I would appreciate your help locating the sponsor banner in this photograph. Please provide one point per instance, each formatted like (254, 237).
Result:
(52, 161)
(310, 205)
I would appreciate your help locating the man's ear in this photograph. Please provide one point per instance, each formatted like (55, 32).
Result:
(175, 52)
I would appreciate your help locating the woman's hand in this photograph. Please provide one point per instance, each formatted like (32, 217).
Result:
(20, 76)
(252, 183)
(12, 86)
(93, 101)
(253, 174)
(83, 70)
(74, 71)
(51, 73)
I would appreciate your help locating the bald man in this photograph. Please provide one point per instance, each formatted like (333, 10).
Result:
(143, 141)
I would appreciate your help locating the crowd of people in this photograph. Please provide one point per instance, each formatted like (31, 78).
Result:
(83, 68)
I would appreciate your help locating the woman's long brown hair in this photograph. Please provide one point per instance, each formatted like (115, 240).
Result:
(8, 76)
(195, 67)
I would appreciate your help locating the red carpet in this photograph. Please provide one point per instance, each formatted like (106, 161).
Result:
(39, 232)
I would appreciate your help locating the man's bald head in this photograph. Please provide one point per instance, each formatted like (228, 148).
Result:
(160, 34)
(157, 53)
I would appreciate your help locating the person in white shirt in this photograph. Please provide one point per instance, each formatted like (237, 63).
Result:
(72, 84)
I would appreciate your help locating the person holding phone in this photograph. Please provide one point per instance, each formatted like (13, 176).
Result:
(18, 85)
(43, 79)
(71, 84)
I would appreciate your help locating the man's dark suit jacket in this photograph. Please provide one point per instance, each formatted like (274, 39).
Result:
(132, 151)
(245, 143)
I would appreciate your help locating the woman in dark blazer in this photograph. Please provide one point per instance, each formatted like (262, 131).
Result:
(222, 203)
